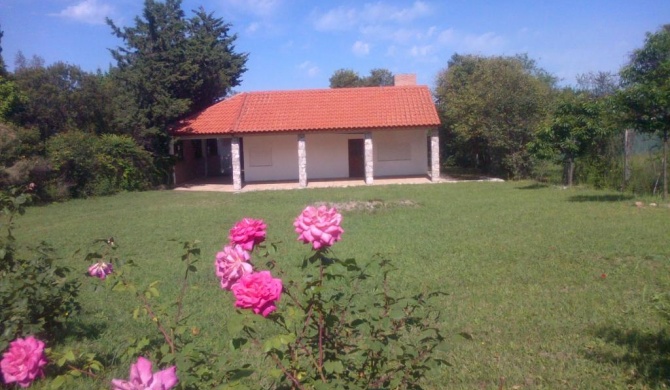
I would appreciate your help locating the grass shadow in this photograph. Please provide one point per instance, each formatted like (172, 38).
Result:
(534, 186)
(645, 355)
(600, 198)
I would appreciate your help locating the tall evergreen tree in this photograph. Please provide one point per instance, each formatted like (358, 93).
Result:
(3, 70)
(170, 67)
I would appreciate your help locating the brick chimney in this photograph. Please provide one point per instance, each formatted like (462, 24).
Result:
(400, 80)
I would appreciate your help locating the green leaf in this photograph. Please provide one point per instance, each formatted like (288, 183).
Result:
(335, 366)
(57, 382)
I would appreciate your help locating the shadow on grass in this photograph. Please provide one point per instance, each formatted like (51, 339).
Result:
(534, 186)
(645, 355)
(600, 198)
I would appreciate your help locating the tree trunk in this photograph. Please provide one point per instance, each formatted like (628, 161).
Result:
(665, 164)
(629, 139)
(569, 170)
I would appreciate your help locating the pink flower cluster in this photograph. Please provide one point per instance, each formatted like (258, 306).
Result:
(143, 378)
(248, 233)
(319, 226)
(100, 269)
(256, 291)
(24, 361)
(231, 264)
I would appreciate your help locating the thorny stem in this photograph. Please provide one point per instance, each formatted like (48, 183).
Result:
(87, 373)
(180, 297)
(286, 372)
(168, 338)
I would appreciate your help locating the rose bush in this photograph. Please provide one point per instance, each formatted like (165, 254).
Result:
(143, 378)
(100, 269)
(231, 264)
(24, 361)
(319, 226)
(257, 291)
(248, 233)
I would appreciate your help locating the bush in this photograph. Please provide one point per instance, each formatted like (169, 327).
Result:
(92, 165)
(36, 295)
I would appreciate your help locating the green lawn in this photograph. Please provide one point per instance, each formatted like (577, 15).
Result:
(547, 288)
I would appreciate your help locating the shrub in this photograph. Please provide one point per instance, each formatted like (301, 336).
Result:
(36, 295)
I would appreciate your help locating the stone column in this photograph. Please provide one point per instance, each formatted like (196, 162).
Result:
(174, 172)
(203, 146)
(369, 164)
(237, 170)
(434, 155)
(302, 161)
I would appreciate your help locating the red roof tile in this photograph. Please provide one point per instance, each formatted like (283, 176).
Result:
(315, 110)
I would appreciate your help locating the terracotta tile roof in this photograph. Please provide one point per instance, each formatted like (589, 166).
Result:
(314, 110)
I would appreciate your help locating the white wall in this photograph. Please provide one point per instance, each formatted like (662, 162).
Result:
(328, 155)
(275, 157)
(270, 157)
(400, 152)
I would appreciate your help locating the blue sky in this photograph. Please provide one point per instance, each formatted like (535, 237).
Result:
(295, 44)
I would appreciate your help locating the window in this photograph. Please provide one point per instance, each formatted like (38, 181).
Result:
(196, 144)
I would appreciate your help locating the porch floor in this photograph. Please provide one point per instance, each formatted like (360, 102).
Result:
(224, 184)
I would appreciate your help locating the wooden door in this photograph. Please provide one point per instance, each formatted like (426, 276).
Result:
(356, 158)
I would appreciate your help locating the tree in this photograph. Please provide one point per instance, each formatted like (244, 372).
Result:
(62, 97)
(347, 78)
(491, 108)
(573, 128)
(646, 97)
(170, 67)
(3, 70)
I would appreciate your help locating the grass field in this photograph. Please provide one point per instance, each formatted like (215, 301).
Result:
(547, 288)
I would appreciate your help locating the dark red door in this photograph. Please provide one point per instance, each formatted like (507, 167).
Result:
(356, 158)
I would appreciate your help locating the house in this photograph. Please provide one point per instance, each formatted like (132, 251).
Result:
(302, 135)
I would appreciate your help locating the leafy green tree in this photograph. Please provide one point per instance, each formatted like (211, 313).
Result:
(574, 127)
(62, 97)
(491, 108)
(169, 67)
(347, 78)
(12, 101)
(646, 97)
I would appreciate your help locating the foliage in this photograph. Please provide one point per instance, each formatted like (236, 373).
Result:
(12, 100)
(62, 97)
(573, 129)
(169, 67)
(92, 165)
(491, 108)
(348, 78)
(646, 97)
(3, 71)
(36, 294)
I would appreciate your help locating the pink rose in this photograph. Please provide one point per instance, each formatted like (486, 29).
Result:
(142, 378)
(319, 226)
(248, 233)
(23, 361)
(100, 269)
(257, 291)
(231, 264)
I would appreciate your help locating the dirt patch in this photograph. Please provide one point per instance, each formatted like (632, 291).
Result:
(369, 205)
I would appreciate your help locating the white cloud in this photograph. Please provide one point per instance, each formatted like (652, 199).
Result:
(261, 8)
(87, 11)
(421, 51)
(253, 27)
(360, 48)
(487, 43)
(345, 18)
(310, 68)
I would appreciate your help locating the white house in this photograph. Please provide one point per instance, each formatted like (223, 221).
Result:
(299, 135)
